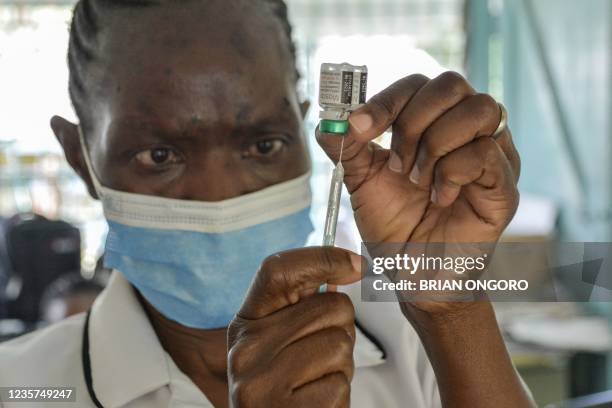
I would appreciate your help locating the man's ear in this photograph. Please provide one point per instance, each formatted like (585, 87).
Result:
(304, 107)
(67, 135)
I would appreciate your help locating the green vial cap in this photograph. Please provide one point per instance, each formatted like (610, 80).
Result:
(338, 127)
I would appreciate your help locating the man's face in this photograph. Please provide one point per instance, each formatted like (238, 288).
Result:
(195, 102)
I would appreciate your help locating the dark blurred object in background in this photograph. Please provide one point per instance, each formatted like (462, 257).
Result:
(38, 251)
(4, 273)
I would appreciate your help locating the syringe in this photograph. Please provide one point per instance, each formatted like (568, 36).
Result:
(342, 90)
(333, 205)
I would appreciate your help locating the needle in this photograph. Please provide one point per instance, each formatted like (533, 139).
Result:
(341, 150)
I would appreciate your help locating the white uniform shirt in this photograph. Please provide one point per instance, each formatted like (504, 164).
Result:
(129, 367)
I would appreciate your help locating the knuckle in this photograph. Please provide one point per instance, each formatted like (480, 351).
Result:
(337, 388)
(341, 303)
(516, 199)
(517, 165)
(344, 389)
(272, 270)
(489, 151)
(327, 258)
(454, 82)
(442, 171)
(341, 338)
(342, 386)
(446, 178)
(239, 358)
(452, 77)
(235, 360)
(411, 81)
(485, 107)
(446, 174)
(243, 393)
(344, 343)
(271, 263)
(432, 147)
(401, 128)
(383, 105)
(417, 78)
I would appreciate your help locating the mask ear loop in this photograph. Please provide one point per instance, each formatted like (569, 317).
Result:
(97, 185)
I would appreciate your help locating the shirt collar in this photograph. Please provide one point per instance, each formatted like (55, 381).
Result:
(128, 361)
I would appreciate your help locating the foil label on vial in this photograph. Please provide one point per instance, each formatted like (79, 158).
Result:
(347, 88)
(343, 87)
(364, 88)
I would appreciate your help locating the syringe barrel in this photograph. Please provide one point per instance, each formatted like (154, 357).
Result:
(333, 206)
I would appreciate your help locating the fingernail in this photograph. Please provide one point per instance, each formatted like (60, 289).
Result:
(395, 163)
(356, 261)
(362, 122)
(415, 174)
(434, 196)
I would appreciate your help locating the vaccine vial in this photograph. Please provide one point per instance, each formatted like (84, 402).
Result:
(342, 89)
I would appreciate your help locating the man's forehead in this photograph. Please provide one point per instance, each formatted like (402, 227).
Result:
(207, 99)
(239, 26)
(206, 73)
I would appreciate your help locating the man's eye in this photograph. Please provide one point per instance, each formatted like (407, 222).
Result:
(159, 156)
(265, 148)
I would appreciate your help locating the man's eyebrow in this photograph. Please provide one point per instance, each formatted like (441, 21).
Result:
(149, 128)
(190, 128)
(273, 124)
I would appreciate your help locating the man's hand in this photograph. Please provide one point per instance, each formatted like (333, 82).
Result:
(444, 179)
(290, 346)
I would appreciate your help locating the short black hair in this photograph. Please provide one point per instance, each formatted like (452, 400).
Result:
(84, 29)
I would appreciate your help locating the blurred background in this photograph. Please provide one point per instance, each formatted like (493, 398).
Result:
(549, 61)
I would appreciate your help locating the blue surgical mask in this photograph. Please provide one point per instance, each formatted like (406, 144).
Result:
(194, 261)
